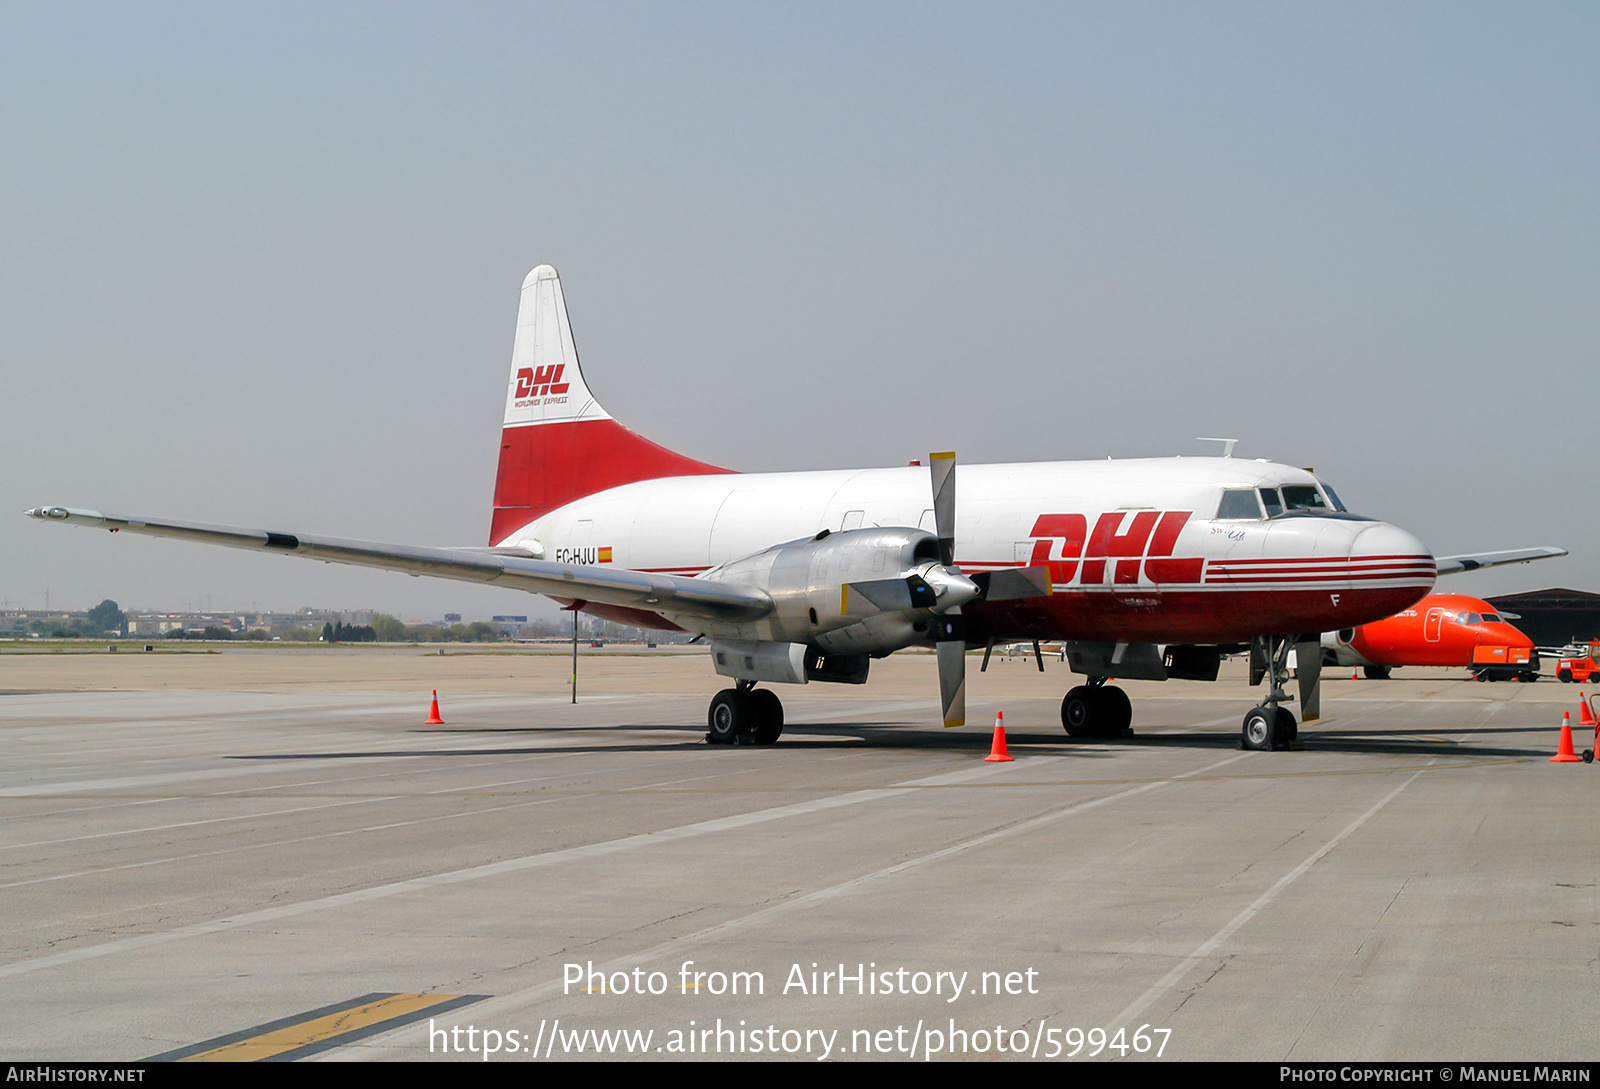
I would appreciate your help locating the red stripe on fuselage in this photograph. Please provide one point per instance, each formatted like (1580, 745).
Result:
(1163, 614)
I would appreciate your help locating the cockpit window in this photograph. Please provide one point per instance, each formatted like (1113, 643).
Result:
(1468, 618)
(1492, 618)
(1333, 498)
(1239, 503)
(1270, 500)
(1303, 497)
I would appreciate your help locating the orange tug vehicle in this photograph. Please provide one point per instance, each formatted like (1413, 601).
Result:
(1585, 670)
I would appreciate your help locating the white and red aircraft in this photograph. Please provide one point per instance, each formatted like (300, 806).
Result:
(1148, 569)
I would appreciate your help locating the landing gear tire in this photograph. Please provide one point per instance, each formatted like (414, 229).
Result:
(1077, 712)
(767, 712)
(1266, 729)
(1097, 711)
(1260, 723)
(728, 718)
(1375, 673)
(1288, 728)
(1117, 711)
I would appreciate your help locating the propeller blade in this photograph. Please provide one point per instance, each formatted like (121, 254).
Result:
(953, 681)
(1012, 583)
(950, 643)
(1308, 668)
(887, 595)
(943, 467)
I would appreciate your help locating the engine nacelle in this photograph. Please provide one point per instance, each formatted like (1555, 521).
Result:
(806, 581)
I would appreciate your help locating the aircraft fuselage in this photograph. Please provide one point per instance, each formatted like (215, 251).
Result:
(1135, 548)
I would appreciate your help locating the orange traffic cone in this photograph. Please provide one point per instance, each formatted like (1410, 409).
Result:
(435, 720)
(997, 750)
(1564, 753)
(1353, 675)
(1585, 712)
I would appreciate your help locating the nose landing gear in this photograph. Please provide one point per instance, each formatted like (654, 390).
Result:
(1271, 726)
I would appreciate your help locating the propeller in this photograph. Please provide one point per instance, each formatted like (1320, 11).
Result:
(942, 589)
(950, 631)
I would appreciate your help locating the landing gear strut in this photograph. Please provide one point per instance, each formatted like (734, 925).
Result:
(744, 715)
(1097, 709)
(1270, 726)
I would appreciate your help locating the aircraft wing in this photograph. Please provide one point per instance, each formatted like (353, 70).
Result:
(509, 567)
(1449, 565)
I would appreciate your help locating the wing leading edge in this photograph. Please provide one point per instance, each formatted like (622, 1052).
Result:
(514, 568)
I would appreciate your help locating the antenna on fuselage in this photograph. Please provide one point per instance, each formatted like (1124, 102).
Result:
(1227, 444)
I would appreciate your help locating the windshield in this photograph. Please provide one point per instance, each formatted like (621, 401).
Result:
(1300, 499)
(1303, 497)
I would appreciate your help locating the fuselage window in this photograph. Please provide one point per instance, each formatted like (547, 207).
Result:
(1239, 503)
(1270, 500)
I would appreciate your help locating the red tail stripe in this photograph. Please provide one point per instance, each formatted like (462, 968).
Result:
(544, 466)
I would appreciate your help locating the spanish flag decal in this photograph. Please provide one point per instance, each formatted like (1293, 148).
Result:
(605, 556)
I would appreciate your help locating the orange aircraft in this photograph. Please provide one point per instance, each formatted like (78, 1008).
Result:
(1439, 630)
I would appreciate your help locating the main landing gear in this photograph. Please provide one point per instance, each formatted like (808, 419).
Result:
(1097, 709)
(745, 715)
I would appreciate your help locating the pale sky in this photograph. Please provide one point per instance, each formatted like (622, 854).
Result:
(261, 265)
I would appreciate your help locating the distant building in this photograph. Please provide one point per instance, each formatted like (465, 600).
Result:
(272, 625)
(1554, 617)
(23, 621)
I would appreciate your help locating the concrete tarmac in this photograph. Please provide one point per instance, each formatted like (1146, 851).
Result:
(265, 853)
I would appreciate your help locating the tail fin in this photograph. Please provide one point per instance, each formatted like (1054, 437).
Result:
(559, 444)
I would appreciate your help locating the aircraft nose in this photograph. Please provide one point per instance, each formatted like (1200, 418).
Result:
(1386, 554)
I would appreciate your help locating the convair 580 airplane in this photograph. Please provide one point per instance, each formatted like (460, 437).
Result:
(1148, 569)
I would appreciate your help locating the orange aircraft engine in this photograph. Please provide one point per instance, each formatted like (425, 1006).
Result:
(1439, 630)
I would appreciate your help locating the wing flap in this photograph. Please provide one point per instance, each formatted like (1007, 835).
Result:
(514, 568)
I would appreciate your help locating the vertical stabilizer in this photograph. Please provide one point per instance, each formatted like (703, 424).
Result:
(558, 444)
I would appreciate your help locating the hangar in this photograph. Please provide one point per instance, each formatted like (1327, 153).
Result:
(1554, 617)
